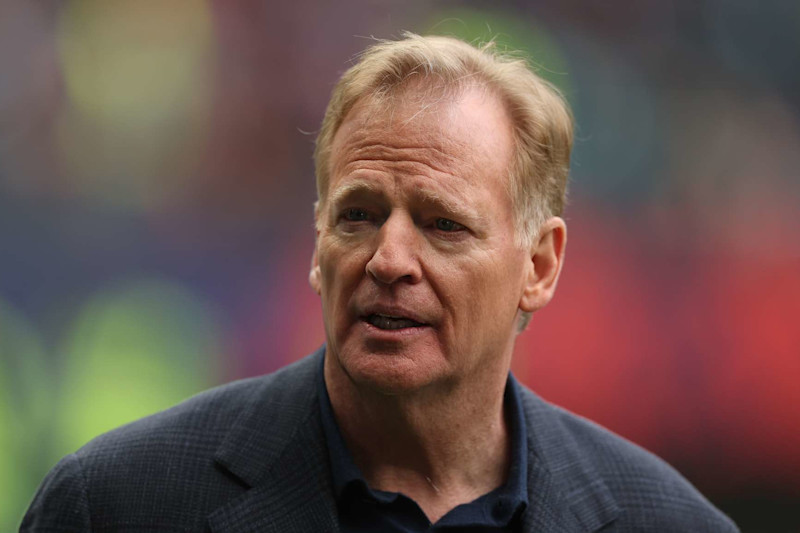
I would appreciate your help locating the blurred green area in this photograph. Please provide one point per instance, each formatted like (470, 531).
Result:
(140, 348)
(131, 350)
(25, 403)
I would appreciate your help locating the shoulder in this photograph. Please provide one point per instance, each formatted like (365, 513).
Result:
(195, 426)
(649, 493)
(164, 461)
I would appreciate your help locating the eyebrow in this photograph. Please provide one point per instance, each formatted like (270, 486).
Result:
(354, 189)
(422, 195)
(466, 214)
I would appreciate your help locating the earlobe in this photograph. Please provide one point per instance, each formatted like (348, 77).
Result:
(546, 260)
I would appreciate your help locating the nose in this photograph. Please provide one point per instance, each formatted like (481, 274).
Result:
(396, 256)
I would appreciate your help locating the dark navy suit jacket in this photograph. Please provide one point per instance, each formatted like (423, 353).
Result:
(250, 456)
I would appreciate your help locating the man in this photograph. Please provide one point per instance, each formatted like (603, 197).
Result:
(441, 174)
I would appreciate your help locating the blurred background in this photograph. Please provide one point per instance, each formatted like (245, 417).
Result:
(156, 190)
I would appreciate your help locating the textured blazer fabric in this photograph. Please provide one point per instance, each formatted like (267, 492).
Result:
(250, 456)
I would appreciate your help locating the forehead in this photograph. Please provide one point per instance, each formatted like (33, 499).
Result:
(466, 135)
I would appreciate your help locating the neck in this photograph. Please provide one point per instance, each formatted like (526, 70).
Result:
(439, 447)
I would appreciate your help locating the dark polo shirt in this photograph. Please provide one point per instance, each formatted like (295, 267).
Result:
(363, 509)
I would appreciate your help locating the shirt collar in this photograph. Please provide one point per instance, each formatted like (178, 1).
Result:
(512, 496)
(343, 469)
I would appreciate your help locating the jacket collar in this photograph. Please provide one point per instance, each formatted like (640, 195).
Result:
(565, 490)
(277, 448)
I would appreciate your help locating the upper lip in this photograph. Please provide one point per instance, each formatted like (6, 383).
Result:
(393, 311)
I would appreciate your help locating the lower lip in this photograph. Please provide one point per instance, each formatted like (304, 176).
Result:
(393, 334)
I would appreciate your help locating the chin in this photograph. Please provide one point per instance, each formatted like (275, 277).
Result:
(392, 371)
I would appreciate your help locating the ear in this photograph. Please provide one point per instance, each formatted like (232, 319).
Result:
(314, 278)
(547, 258)
(314, 274)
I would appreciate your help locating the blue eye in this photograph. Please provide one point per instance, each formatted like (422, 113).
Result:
(355, 214)
(445, 224)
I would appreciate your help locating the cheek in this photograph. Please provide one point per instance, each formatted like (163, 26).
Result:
(461, 286)
(481, 290)
(340, 272)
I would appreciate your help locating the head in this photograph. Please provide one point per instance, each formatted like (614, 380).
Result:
(537, 176)
(440, 180)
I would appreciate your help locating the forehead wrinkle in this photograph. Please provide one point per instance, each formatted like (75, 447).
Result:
(431, 156)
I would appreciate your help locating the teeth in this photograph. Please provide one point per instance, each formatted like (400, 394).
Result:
(391, 322)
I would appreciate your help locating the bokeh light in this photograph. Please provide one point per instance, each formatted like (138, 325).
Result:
(139, 84)
(133, 350)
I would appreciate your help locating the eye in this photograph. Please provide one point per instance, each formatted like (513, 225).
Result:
(445, 224)
(355, 214)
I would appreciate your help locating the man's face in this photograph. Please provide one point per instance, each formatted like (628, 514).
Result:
(416, 259)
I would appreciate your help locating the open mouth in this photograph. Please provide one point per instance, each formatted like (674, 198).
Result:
(391, 322)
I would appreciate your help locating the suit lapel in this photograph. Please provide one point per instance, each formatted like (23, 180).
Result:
(277, 449)
(295, 496)
(548, 511)
(565, 491)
